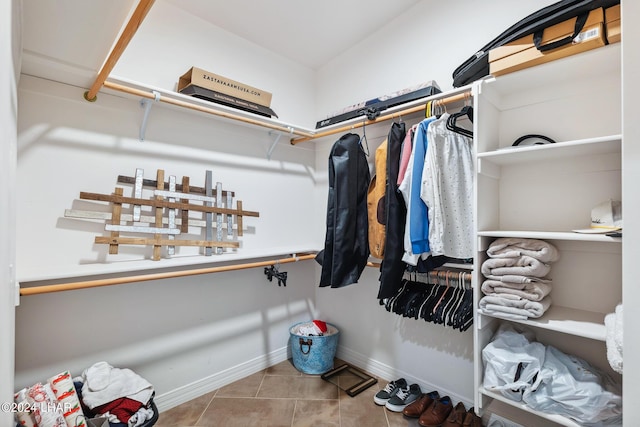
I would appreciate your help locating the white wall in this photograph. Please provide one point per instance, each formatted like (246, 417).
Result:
(10, 46)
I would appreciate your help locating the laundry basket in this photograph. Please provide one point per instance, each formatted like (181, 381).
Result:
(313, 354)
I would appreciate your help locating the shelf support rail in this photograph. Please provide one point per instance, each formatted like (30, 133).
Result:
(275, 141)
(146, 104)
(273, 144)
(125, 37)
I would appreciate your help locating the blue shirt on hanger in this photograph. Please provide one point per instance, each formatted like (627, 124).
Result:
(419, 217)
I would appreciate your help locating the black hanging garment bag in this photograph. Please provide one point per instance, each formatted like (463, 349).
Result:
(477, 66)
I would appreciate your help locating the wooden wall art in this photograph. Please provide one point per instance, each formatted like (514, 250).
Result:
(168, 214)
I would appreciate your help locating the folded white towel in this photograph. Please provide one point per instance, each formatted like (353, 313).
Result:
(102, 383)
(513, 307)
(618, 334)
(533, 291)
(513, 247)
(523, 265)
(613, 340)
(513, 278)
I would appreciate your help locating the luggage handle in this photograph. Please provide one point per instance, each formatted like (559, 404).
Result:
(537, 36)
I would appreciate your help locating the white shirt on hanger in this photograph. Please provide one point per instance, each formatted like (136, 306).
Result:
(447, 190)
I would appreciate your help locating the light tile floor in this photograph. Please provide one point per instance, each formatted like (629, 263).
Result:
(282, 396)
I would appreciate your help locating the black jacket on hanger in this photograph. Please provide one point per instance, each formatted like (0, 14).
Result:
(346, 248)
(392, 267)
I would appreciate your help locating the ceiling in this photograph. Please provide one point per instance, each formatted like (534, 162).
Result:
(307, 32)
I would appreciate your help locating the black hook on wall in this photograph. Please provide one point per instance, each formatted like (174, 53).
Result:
(272, 271)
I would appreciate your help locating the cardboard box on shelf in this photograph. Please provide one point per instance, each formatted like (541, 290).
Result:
(217, 83)
(612, 16)
(523, 53)
(216, 88)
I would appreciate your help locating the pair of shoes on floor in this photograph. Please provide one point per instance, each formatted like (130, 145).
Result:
(435, 411)
(432, 410)
(421, 404)
(460, 417)
(396, 395)
(471, 419)
(456, 417)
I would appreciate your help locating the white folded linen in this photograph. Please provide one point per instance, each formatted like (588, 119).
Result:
(613, 339)
(523, 265)
(533, 291)
(513, 247)
(513, 307)
(513, 278)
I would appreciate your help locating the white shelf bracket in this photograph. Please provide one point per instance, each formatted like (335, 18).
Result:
(275, 141)
(146, 104)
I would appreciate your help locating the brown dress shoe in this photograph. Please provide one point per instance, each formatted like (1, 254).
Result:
(456, 416)
(471, 419)
(435, 414)
(415, 409)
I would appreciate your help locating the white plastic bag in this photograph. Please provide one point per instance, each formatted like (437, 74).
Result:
(512, 362)
(571, 387)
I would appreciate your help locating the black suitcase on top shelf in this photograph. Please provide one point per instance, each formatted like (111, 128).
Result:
(477, 66)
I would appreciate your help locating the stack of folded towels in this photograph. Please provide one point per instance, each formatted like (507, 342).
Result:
(516, 286)
(613, 324)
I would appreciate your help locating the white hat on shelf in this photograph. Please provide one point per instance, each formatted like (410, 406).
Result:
(605, 218)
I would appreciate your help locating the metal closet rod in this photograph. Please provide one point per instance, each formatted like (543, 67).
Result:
(46, 289)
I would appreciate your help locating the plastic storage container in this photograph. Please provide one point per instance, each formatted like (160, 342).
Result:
(313, 354)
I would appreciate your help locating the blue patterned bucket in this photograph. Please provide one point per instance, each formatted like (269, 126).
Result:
(313, 354)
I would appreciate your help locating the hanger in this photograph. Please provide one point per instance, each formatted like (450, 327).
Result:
(439, 308)
(466, 111)
(452, 121)
(363, 138)
(438, 296)
(454, 301)
(463, 317)
(427, 110)
(440, 108)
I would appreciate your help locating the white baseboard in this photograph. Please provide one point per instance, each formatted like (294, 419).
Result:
(219, 379)
(388, 373)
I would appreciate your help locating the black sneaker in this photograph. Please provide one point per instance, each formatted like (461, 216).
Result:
(403, 397)
(383, 396)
